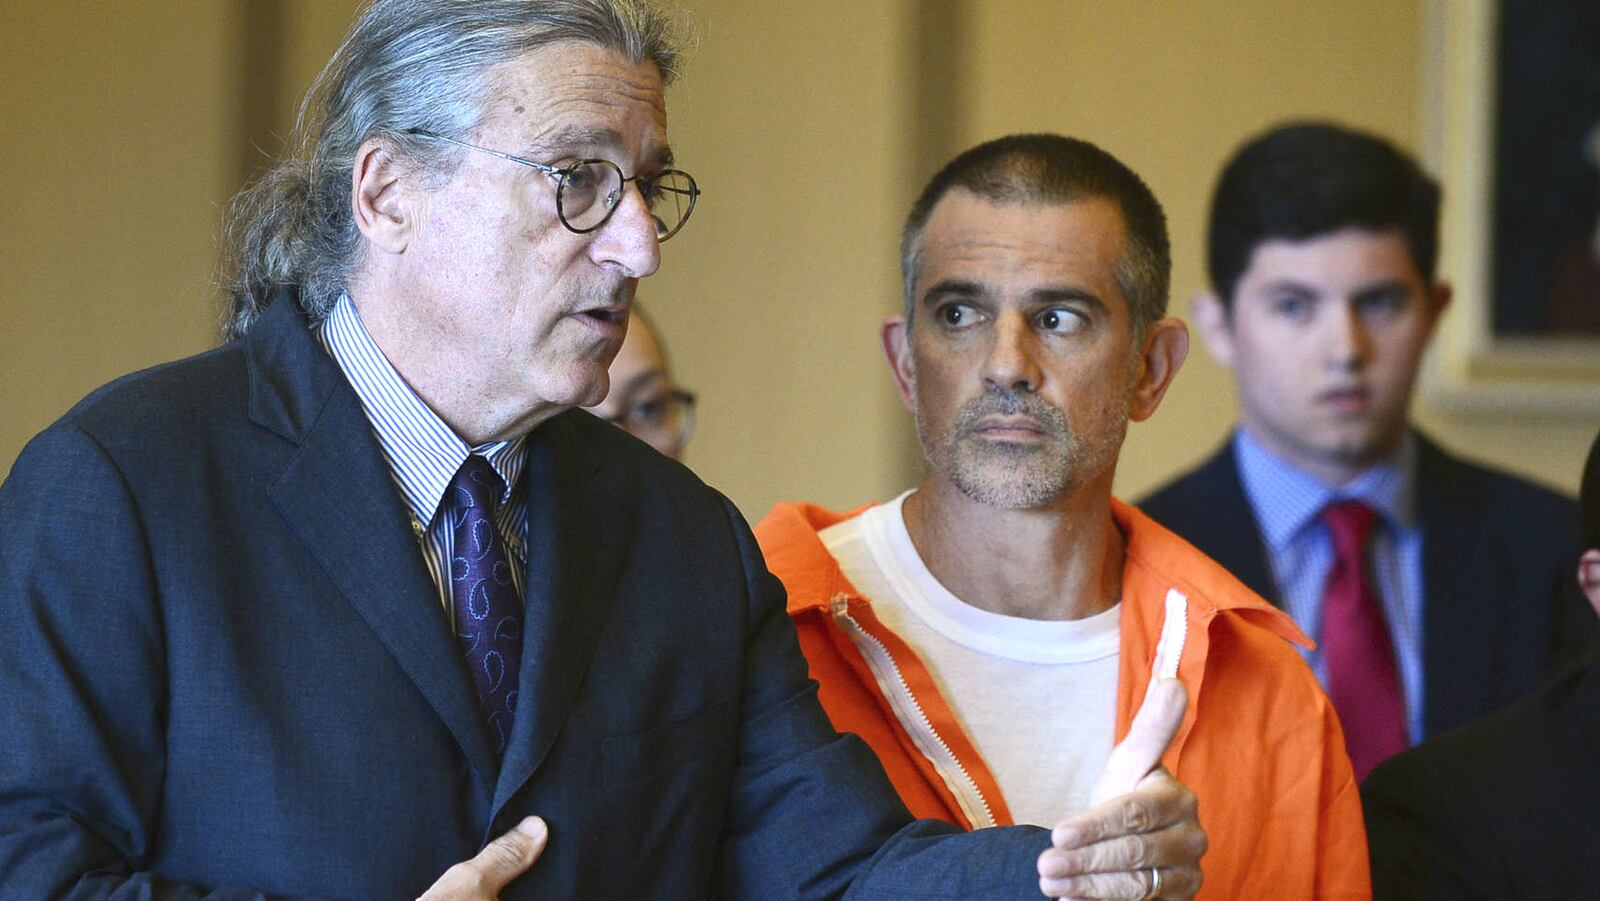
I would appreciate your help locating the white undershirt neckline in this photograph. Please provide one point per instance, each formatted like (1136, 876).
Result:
(1036, 697)
(1012, 637)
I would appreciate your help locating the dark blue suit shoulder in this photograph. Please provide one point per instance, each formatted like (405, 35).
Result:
(166, 398)
(1518, 493)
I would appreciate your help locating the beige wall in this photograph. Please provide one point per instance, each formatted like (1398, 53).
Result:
(810, 127)
(770, 299)
(111, 178)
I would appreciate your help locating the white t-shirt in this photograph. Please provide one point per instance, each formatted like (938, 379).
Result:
(1037, 697)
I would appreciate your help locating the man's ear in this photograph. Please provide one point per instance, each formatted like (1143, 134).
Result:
(1166, 346)
(1216, 330)
(1589, 577)
(1439, 301)
(1442, 292)
(379, 197)
(896, 338)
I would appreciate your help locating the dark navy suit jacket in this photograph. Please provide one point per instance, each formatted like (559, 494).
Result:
(223, 668)
(1507, 807)
(1501, 607)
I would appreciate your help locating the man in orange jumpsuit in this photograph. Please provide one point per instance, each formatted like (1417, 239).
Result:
(991, 632)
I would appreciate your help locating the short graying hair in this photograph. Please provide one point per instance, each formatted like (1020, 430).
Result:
(405, 64)
(1051, 169)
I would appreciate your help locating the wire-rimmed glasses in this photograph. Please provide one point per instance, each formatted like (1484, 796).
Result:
(589, 191)
(661, 419)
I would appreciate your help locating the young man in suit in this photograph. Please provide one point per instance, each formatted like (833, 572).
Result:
(1505, 807)
(1436, 589)
(1008, 610)
(323, 611)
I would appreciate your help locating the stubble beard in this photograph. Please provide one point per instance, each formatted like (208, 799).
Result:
(1013, 475)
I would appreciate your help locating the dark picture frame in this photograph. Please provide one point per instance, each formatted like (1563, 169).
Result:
(1511, 112)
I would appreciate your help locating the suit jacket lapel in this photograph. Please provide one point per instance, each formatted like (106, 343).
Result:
(339, 498)
(577, 535)
(1580, 731)
(1237, 543)
(1457, 561)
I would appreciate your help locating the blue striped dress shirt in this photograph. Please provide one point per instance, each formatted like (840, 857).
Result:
(422, 452)
(1288, 505)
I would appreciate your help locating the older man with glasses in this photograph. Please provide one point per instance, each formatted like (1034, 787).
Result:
(324, 611)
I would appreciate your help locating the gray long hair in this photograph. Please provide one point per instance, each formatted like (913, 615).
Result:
(405, 64)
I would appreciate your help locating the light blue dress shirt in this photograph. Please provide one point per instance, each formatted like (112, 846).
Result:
(1288, 504)
(423, 452)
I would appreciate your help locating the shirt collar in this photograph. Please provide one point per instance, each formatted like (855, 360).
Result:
(1286, 499)
(422, 451)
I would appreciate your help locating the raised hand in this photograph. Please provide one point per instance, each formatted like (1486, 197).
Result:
(1142, 838)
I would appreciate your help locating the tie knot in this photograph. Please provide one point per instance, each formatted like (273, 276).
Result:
(477, 485)
(1350, 522)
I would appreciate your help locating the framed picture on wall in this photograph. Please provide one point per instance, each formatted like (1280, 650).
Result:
(1512, 126)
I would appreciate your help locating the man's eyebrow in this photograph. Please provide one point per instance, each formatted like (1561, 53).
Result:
(1058, 294)
(953, 287)
(640, 380)
(593, 139)
(1050, 294)
(1289, 285)
(1383, 287)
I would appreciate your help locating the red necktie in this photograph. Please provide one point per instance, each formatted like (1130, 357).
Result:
(1358, 659)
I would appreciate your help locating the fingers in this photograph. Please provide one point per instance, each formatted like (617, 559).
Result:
(1177, 884)
(483, 877)
(1140, 751)
(1180, 843)
(1158, 803)
(1108, 852)
(510, 855)
(1144, 822)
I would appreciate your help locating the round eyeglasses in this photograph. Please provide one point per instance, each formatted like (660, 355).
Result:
(589, 191)
(662, 420)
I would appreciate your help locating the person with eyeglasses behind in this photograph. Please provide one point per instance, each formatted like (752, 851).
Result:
(642, 400)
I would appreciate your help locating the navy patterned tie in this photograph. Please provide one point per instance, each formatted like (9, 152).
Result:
(488, 612)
